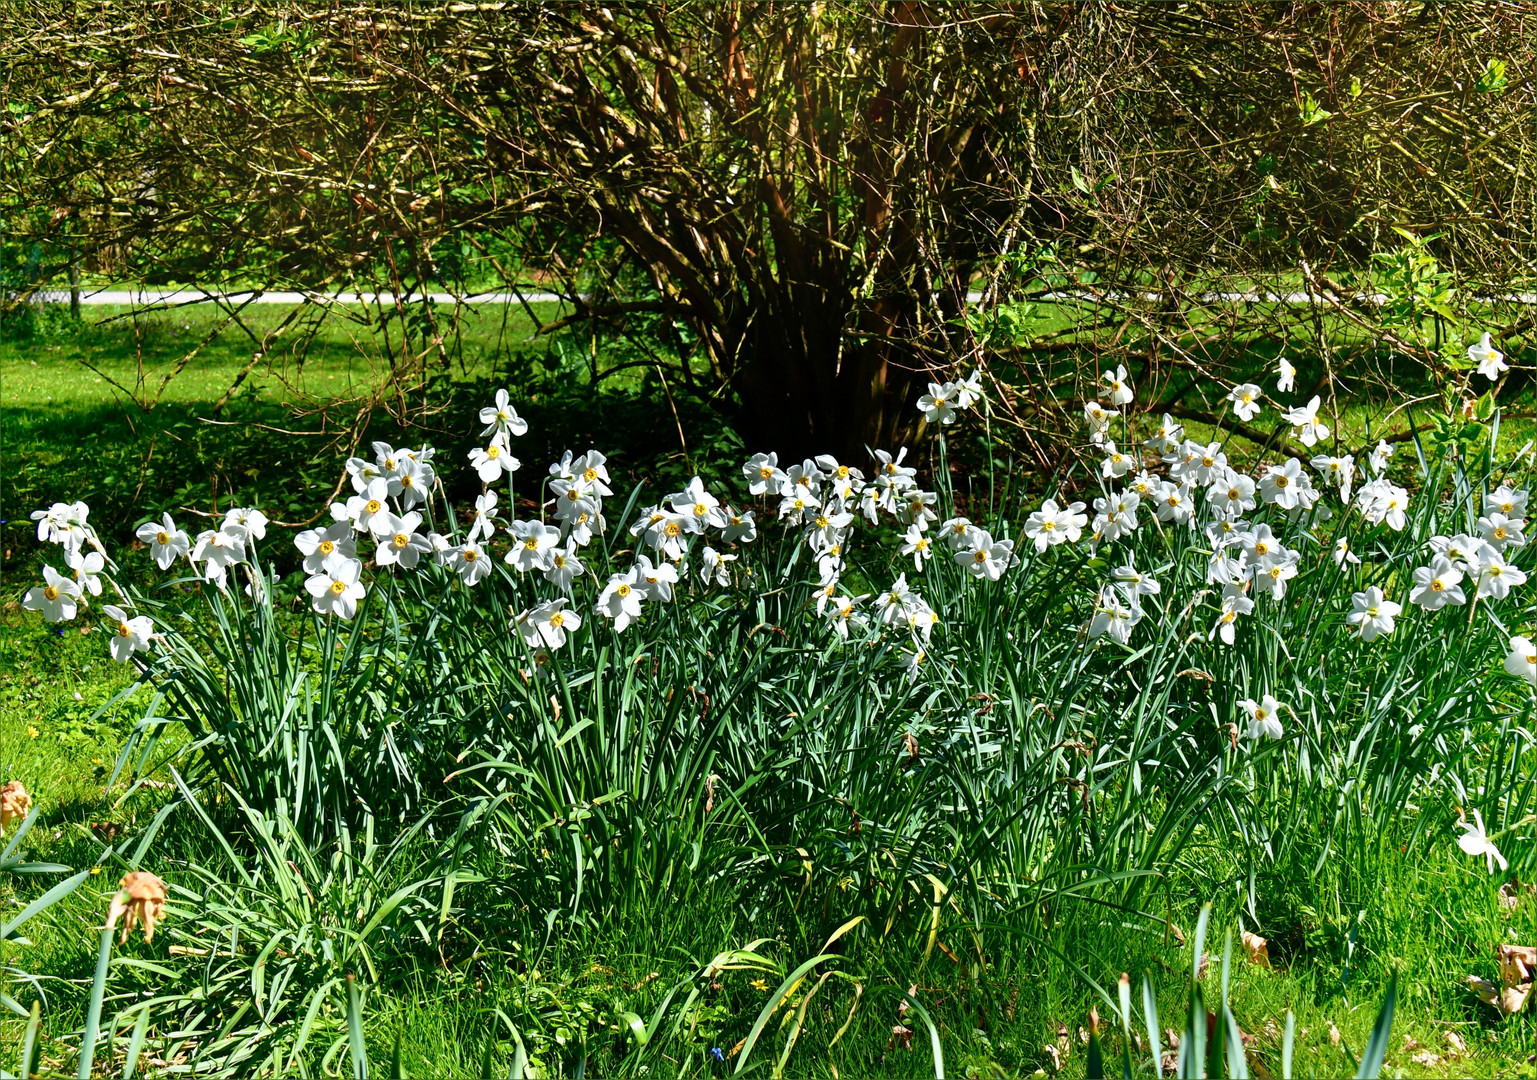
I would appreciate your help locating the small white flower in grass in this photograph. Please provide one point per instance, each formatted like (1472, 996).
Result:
(1496, 577)
(1232, 493)
(886, 465)
(939, 404)
(1246, 401)
(715, 567)
(698, 507)
(740, 527)
(825, 530)
(1117, 386)
(764, 476)
(1502, 532)
(916, 544)
(1223, 569)
(913, 660)
(532, 542)
(1113, 618)
(1464, 551)
(1343, 555)
(165, 540)
(1208, 464)
(921, 619)
(129, 634)
(1382, 502)
(362, 472)
(655, 581)
(798, 506)
(1099, 419)
(1504, 500)
(804, 479)
(470, 561)
(1052, 524)
(1305, 424)
(1379, 457)
(1234, 604)
(336, 590)
(494, 459)
(591, 470)
(502, 417)
(581, 528)
(957, 532)
(843, 614)
(1475, 840)
(1264, 717)
(246, 522)
(917, 508)
(620, 599)
(1224, 531)
(442, 549)
(986, 557)
(1260, 542)
(1175, 503)
(1521, 660)
(1339, 471)
(1282, 484)
(63, 524)
(57, 599)
(1373, 614)
(548, 624)
(399, 542)
(1166, 439)
(217, 551)
(669, 536)
(1116, 464)
(87, 566)
(1287, 376)
(564, 567)
(1116, 516)
(1490, 361)
(317, 544)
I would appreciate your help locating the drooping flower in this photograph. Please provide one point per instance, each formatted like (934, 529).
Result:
(166, 541)
(217, 551)
(1112, 618)
(1521, 660)
(1287, 376)
(87, 566)
(57, 598)
(1234, 604)
(1342, 554)
(715, 566)
(843, 615)
(1305, 424)
(140, 900)
(1475, 840)
(1165, 440)
(1099, 419)
(130, 634)
(15, 803)
(63, 524)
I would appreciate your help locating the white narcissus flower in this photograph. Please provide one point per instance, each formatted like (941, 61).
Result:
(532, 542)
(1339, 471)
(246, 522)
(1373, 614)
(843, 614)
(316, 544)
(1287, 372)
(715, 566)
(336, 590)
(1231, 494)
(1504, 500)
(1272, 573)
(415, 482)
(470, 561)
(668, 534)
(1166, 439)
(1378, 458)
(87, 566)
(1343, 554)
(1282, 485)
(916, 544)
(740, 528)
(655, 581)
(502, 417)
(1305, 424)
(57, 598)
(548, 624)
(165, 540)
(969, 390)
(1502, 532)
(372, 502)
(1264, 717)
(1052, 524)
(217, 551)
(564, 567)
(620, 599)
(1175, 503)
(1116, 464)
(893, 602)
(1475, 841)
(493, 459)
(130, 634)
(1135, 583)
(1099, 419)
(1522, 659)
(1118, 386)
(698, 507)
(1234, 604)
(1496, 577)
(986, 557)
(399, 542)
(957, 532)
(939, 404)
(1245, 398)
(483, 520)
(1112, 618)
(63, 524)
(1490, 361)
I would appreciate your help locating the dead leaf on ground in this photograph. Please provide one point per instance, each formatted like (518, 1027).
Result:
(1455, 1042)
(1257, 948)
(1334, 1034)
(1517, 963)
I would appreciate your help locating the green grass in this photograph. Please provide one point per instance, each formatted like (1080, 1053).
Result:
(998, 998)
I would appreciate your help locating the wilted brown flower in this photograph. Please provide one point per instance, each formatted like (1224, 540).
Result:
(141, 898)
(1257, 948)
(14, 804)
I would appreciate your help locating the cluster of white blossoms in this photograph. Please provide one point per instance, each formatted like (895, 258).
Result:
(60, 598)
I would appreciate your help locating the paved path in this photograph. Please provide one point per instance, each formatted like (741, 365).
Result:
(176, 297)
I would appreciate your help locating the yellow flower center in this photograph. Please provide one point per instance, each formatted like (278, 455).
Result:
(123, 631)
(979, 556)
(401, 540)
(407, 481)
(557, 619)
(1436, 586)
(1208, 461)
(821, 521)
(493, 451)
(531, 544)
(560, 561)
(1259, 714)
(373, 506)
(162, 538)
(1371, 612)
(1281, 481)
(700, 509)
(672, 528)
(50, 592)
(1499, 534)
(623, 591)
(1261, 548)
(766, 472)
(470, 555)
(326, 547)
(590, 475)
(338, 587)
